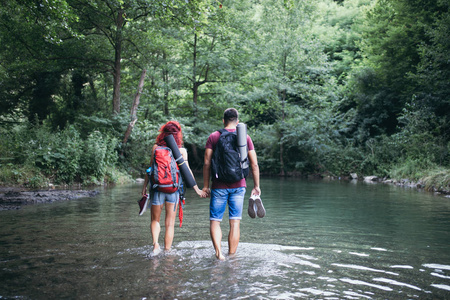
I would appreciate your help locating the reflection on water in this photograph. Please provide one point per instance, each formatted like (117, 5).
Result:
(318, 241)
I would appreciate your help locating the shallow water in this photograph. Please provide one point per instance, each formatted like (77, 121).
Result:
(319, 240)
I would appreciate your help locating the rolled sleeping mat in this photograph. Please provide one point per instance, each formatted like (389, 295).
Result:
(241, 131)
(184, 169)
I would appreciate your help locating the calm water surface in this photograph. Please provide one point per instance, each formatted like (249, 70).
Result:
(319, 240)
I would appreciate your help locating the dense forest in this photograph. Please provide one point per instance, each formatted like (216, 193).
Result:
(325, 87)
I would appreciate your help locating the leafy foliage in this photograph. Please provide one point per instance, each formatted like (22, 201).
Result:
(325, 87)
(61, 155)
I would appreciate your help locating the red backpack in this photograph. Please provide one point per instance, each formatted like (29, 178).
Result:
(165, 172)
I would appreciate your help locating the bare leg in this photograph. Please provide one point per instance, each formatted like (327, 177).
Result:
(155, 226)
(234, 236)
(170, 224)
(216, 237)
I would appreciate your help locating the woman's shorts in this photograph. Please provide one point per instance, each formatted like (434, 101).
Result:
(219, 200)
(159, 197)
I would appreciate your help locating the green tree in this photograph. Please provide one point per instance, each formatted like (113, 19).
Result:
(339, 28)
(382, 83)
(30, 33)
(290, 70)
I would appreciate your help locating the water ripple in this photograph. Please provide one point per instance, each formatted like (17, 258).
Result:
(437, 266)
(362, 268)
(360, 282)
(394, 282)
(271, 271)
(441, 286)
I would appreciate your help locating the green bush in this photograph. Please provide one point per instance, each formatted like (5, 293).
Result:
(56, 153)
(379, 155)
(413, 168)
(438, 179)
(136, 153)
(69, 149)
(60, 155)
(11, 175)
(341, 161)
(98, 154)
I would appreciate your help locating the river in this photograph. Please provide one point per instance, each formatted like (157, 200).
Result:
(318, 240)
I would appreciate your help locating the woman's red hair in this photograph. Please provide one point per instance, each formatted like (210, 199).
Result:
(171, 127)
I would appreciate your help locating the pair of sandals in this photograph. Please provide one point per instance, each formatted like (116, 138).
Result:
(256, 207)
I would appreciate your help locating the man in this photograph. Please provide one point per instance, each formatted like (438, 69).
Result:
(223, 193)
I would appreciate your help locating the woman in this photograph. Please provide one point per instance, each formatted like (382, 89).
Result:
(159, 199)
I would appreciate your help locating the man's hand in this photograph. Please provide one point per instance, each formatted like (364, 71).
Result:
(206, 192)
(256, 191)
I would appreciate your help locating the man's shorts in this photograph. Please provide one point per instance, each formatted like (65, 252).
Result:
(159, 197)
(219, 200)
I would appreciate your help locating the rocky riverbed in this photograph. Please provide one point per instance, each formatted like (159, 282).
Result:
(11, 198)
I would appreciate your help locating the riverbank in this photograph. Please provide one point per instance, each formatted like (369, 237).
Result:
(419, 185)
(15, 198)
(438, 183)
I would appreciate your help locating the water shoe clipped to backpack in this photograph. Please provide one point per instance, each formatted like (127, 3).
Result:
(256, 207)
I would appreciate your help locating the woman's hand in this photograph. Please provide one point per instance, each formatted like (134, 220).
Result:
(200, 192)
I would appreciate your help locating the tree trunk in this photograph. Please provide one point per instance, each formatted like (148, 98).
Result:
(194, 73)
(93, 90)
(195, 157)
(282, 95)
(197, 83)
(135, 107)
(283, 117)
(165, 74)
(195, 93)
(282, 172)
(117, 63)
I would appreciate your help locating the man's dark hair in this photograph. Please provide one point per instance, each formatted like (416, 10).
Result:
(230, 115)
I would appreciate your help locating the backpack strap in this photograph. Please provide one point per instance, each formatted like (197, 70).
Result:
(154, 170)
(180, 195)
(174, 168)
(223, 130)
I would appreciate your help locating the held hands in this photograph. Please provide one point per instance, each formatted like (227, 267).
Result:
(200, 192)
(206, 192)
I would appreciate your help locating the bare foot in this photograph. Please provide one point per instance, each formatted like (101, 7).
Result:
(156, 248)
(220, 256)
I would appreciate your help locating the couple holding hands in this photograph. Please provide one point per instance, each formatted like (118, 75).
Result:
(222, 191)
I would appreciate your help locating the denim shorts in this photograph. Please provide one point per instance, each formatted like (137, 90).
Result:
(220, 198)
(159, 198)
